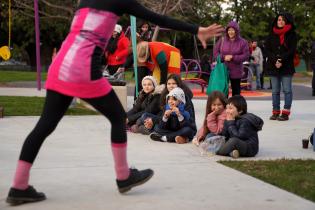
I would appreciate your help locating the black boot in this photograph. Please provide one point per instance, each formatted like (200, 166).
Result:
(135, 178)
(283, 117)
(313, 93)
(17, 197)
(275, 115)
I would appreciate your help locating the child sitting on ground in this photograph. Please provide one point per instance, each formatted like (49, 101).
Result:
(175, 120)
(240, 129)
(214, 118)
(148, 103)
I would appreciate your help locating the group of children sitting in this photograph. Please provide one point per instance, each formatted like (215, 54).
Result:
(167, 114)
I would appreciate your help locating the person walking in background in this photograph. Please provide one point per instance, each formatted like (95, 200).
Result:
(257, 63)
(117, 50)
(76, 71)
(313, 67)
(233, 50)
(280, 48)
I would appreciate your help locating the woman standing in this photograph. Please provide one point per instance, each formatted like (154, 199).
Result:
(280, 48)
(117, 50)
(233, 50)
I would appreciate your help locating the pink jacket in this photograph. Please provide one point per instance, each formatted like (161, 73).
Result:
(214, 123)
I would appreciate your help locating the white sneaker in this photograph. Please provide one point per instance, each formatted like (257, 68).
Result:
(235, 154)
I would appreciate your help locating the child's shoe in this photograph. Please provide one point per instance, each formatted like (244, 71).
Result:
(235, 154)
(135, 178)
(156, 137)
(17, 197)
(142, 129)
(181, 140)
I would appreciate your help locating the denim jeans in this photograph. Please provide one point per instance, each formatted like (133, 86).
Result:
(286, 83)
(256, 72)
(144, 116)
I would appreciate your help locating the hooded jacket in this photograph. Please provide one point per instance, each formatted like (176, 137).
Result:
(238, 48)
(245, 128)
(274, 50)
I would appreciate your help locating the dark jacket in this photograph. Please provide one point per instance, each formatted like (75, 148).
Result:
(313, 56)
(245, 128)
(149, 103)
(274, 50)
(189, 107)
(172, 123)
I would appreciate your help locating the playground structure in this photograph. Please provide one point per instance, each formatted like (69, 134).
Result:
(193, 73)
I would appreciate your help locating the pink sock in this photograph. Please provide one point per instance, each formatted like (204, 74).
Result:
(22, 175)
(120, 160)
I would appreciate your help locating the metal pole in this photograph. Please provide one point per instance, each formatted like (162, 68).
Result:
(134, 49)
(38, 66)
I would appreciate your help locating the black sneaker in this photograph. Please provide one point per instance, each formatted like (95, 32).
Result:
(17, 197)
(156, 137)
(135, 178)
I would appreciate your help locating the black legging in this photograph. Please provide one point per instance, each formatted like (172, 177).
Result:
(236, 86)
(56, 105)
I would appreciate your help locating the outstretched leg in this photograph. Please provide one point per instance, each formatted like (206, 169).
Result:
(110, 106)
(55, 106)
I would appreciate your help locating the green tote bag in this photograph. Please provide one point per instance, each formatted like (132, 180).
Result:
(219, 78)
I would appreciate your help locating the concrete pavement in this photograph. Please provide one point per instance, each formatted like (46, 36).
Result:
(75, 168)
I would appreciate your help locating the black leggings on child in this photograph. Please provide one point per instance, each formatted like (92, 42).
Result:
(56, 105)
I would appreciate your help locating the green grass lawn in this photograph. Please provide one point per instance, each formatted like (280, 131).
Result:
(33, 106)
(15, 76)
(296, 176)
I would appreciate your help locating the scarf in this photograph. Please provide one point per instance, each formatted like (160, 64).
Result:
(281, 32)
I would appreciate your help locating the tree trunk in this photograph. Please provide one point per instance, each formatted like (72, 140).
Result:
(31, 51)
(157, 28)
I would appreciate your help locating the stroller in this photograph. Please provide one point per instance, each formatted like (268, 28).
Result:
(116, 79)
(247, 77)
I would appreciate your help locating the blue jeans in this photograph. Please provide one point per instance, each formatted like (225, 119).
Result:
(256, 72)
(286, 82)
(144, 116)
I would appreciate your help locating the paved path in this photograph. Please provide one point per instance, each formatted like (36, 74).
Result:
(75, 168)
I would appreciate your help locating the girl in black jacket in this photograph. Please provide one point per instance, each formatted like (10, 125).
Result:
(148, 102)
(280, 48)
(240, 129)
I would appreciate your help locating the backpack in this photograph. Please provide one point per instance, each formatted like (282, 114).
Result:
(219, 78)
